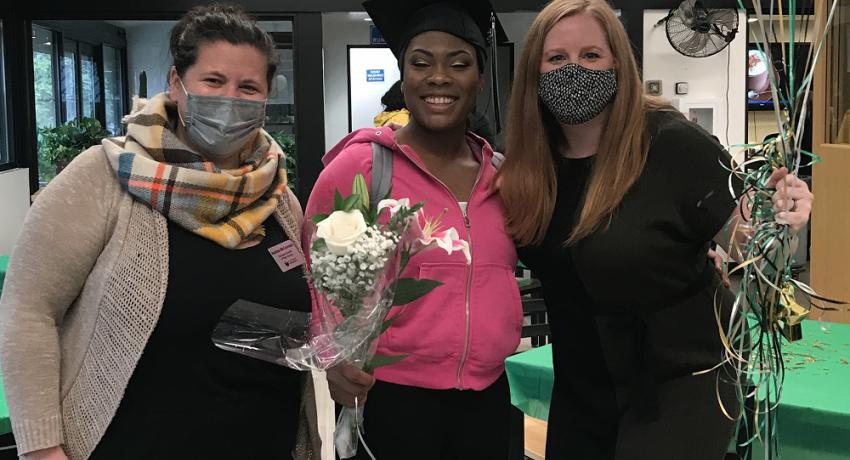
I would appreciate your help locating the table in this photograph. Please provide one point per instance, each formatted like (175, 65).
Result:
(4, 264)
(5, 424)
(814, 413)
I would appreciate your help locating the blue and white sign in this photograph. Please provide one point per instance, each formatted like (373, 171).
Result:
(374, 75)
(381, 70)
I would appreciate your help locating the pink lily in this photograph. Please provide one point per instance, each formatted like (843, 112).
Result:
(393, 205)
(429, 234)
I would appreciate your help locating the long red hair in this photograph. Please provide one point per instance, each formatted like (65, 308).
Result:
(528, 183)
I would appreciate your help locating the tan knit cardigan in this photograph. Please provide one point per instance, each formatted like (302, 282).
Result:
(85, 285)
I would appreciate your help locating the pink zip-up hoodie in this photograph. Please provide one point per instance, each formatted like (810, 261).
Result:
(459, 334)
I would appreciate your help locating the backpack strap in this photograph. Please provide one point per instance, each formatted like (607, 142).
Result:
(498, 159)
(382, 174)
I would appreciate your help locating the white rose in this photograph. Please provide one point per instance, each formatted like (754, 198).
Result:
(340, 230)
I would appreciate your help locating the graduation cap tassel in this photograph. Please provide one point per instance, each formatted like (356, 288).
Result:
(494, 73)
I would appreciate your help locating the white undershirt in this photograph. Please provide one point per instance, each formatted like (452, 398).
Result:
(463, 206)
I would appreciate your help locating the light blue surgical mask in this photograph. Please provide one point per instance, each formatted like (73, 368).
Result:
(220, 126)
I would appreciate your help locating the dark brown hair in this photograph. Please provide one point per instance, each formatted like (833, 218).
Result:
(218, 22)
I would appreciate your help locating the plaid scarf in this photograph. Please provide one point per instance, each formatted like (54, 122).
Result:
(225, 206)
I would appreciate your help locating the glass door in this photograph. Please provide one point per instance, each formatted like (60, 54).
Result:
(280, 110)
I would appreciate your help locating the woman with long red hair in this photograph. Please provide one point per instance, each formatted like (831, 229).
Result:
(614, 199)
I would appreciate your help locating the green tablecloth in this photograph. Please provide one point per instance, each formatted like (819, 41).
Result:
(4, 263)
(814, 414)
(5, 424)
(530, 376)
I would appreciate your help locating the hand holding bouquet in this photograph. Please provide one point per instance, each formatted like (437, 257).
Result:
(356, 254)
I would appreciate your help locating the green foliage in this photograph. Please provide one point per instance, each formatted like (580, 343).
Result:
(286, 142)
(388, 322)
(64, 142)
(359, 188)
(409, 289)
(399, 221)
(45, 103)
(318, 218)
(382, 360)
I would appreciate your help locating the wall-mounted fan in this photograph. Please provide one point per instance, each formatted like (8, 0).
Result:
(696, 31)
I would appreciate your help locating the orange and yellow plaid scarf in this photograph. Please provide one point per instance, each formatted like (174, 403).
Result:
(225, 206)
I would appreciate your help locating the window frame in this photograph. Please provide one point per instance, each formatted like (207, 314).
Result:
(65, 33)
(7, 161)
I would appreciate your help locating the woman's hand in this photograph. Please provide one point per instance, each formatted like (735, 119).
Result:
(347, 382)
(51, 453)
(792, 201)
(393, 125)
(718, 261)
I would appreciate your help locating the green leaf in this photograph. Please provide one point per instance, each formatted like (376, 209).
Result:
(66, 141)
(371, 216)
(319, 245)
(359, 188)
(383, 360)
(387, 323)
(337, 200)
(405, 257)
(349, 203)
(409, 289)
(318, 218)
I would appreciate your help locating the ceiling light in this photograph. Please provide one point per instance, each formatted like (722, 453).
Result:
(751, 20)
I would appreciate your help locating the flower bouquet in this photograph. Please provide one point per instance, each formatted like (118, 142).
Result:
(357, 253)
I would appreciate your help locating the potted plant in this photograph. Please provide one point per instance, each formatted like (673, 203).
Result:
(59, 145)
(286, 142)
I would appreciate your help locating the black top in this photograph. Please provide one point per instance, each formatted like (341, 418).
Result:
(189, 399)
(632, 305)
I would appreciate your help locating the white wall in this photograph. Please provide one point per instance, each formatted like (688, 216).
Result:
(366, 92)
(147, 49)
(707, 78)
(338, 31)
(14, 190)
(342, 29)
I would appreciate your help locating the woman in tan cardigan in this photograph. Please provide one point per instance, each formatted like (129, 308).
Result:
(129, 257)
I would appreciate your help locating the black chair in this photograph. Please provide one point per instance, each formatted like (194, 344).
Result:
(538, 329)
(8, 449)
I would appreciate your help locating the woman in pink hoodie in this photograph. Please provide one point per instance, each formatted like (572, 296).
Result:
(449, 397)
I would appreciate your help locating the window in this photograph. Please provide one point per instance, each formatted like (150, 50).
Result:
(69, 79)
(5, 157)
(113, 89)
(78, 72)
(280, 109)
(89, 80)
(44, 75)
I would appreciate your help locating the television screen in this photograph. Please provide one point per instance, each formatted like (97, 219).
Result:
(759, 93)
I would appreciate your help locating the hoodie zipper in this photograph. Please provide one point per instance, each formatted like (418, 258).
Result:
(465, 354)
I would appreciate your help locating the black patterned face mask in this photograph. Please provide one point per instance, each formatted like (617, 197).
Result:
(576, 94)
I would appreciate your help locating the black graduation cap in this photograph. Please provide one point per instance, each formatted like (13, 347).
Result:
(474, 21)
(400, 21)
